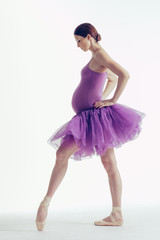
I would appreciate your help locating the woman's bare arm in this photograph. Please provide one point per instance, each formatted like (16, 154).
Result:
(105, 60)
(111, 83)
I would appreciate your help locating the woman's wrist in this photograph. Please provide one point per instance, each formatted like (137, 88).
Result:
(114, 100)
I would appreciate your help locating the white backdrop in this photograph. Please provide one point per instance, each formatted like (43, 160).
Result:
(40, 68)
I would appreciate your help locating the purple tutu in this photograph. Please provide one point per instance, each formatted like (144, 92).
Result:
(97, 129)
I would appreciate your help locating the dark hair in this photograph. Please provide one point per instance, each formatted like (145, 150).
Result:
(87, 28)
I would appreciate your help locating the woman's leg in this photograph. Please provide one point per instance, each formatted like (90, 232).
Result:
(61, 164)
(58, 172)
(115, 183)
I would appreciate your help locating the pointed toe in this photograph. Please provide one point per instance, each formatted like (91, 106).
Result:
(40, 225)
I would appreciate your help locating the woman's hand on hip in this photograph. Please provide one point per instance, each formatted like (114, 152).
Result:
(103, 103)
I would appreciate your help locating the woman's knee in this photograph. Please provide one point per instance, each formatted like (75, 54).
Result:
(110, 167)
(109, 162)
(61, 156)
(64, 152)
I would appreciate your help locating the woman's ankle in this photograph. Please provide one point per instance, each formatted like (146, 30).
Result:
(46, 201)
(47, 197)
(116, 208)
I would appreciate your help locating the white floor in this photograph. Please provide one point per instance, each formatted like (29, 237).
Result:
(140, 223)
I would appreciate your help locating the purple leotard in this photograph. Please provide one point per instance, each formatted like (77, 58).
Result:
(89, 90)
(94, 130)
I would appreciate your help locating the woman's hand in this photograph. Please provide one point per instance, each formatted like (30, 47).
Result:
(103, 103)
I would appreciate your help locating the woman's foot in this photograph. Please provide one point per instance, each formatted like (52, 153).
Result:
(115, 218)
(42, 213)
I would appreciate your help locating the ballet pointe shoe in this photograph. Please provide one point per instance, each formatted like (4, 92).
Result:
(115, 219)
(45, 203)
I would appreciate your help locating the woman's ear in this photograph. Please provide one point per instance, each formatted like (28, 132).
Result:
(88, 36)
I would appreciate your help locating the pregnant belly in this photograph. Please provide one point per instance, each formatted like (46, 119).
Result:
(82, 100)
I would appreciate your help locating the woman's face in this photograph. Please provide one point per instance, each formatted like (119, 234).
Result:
(83, 42)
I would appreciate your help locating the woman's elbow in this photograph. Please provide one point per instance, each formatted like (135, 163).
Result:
(126, 75)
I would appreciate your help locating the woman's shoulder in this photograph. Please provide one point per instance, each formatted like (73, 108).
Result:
(101, 53)
(100, 57)
(105, 60)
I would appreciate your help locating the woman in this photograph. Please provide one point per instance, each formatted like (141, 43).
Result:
(99, 125)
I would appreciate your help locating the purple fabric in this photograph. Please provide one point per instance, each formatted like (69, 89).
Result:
(95, 130)
(89, 90)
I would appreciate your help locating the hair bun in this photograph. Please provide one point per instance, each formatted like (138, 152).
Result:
(98, 37)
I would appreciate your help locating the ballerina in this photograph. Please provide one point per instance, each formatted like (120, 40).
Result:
(98, 126)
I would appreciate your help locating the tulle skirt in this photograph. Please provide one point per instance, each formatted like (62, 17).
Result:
(96, 129)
